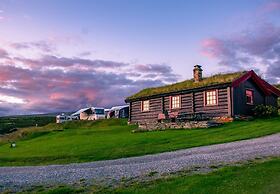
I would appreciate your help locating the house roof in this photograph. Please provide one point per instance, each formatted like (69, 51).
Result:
(118, 107)
(267, 88)
(230, 78)
(188, 85)
(80, 111)
(85, 109)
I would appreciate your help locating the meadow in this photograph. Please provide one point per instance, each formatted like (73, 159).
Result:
(84, 141)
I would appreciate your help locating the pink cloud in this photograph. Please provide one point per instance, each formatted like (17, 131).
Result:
(153, 68)
(54, 90)
(3, 53)
(213, 48)
(56, 96)
(259, 46)
(44, 46)
(1, 16)
(270, 7)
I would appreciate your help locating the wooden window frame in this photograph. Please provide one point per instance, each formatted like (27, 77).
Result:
(171, 102)
(251, 103)
(142, 106)
(217, 97)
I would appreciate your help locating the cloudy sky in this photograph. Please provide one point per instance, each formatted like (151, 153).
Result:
(62, 55)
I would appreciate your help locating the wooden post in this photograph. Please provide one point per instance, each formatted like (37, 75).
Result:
(162, 104)
(193, 103)
(130, 107)
(229, 99)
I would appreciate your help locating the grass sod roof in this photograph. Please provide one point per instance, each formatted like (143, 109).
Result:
(277, 86)
(188, 84)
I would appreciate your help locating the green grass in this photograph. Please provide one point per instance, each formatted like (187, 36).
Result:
(7, 123)
(188, 84)
(61, 189)
(254, 178)
(83, 141)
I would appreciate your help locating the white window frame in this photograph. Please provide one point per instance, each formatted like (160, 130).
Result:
(175, 102)
(252, 97)
(145, 105)
(211, 98)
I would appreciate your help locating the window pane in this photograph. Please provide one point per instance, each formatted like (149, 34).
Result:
(175, 102)
(249, 97)
(145, 105)
(211, 98)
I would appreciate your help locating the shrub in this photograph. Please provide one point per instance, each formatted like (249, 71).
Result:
(265, 111)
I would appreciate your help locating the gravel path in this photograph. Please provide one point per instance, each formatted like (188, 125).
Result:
(114, 170)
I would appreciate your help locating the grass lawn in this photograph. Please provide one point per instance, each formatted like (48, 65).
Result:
(254, 178)
(83, 141)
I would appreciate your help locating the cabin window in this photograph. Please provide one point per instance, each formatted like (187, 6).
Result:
(145, 105)
(211, 97)
(175, 102)
(249, 97)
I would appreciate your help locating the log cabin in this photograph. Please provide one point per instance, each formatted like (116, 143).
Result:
(221, 95)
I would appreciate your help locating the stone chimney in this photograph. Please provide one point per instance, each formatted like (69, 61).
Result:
(197, 73)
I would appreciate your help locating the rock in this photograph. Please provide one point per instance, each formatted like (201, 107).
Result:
(176, 125)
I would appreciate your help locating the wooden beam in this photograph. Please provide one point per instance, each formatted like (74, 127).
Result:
(229, 101)
(193, 103)
(232, 101)
(162, 104)
(130, 110)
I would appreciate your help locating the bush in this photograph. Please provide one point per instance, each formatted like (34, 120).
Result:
(265, 111)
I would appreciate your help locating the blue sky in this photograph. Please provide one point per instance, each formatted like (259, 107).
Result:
(164, 38)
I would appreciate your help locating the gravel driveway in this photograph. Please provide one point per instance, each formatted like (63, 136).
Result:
(114, 170)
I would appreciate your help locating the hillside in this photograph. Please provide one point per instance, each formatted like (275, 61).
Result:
(83, 141)
(10, 122)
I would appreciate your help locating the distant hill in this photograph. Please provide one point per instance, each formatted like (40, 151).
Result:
(38, 115)
(8, 123)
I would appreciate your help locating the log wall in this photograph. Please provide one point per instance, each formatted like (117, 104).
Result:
(138, 116)
(221, 109)
(191, 102)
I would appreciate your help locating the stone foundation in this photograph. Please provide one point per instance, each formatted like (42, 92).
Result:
(176, 125)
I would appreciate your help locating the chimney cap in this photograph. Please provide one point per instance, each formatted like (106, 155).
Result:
(198, 66)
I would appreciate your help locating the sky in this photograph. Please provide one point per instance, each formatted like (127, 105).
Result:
(63, 55)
